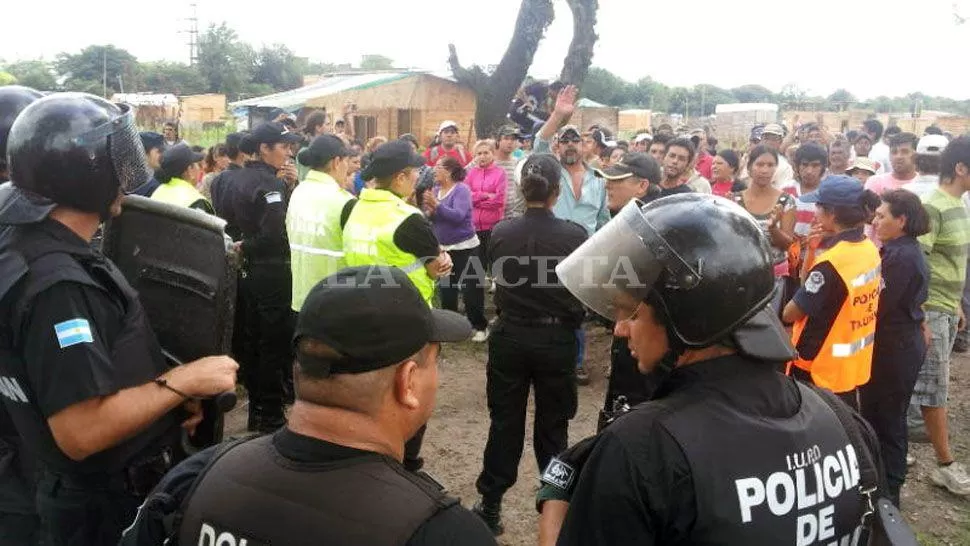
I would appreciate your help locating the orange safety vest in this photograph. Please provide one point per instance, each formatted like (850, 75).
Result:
(845, 359)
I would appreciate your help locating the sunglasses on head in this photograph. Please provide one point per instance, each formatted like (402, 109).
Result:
(567, 140)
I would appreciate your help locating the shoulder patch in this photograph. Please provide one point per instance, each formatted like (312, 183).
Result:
(273, 197)
(814, 282)
(73, 332)
(558, 474)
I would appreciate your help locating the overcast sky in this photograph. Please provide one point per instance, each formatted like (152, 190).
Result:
(817, 45)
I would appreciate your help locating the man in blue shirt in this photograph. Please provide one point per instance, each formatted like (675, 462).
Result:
(583, 195)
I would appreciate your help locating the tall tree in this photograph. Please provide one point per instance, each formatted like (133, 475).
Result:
(495, 89)
(225, 63)
(98, 67)
(580, 55)
(376, 62)
(279, 68)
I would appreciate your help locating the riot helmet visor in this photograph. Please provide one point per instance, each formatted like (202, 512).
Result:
(626, 256)
(125, 148)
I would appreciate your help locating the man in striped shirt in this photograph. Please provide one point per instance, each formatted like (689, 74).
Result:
(811, 160)
(946, 250)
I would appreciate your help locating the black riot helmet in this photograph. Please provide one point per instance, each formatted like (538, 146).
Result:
(77, 150)
(13, 99)
(702, 260)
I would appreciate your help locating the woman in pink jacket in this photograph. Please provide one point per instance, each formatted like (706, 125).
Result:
(487, 182)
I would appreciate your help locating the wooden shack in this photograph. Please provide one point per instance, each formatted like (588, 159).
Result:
(388, 103)
(152, 110)
(633, 121)
(202, 110)
(589, 113)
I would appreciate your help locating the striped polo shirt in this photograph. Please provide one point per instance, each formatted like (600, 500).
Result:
(804, 212)
(946, 249)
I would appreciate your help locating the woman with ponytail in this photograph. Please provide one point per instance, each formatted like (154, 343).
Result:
(313, 217)
(834, 312)
(533, 343)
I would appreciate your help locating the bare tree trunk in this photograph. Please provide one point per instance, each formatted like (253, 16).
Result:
(495, 91)
(580, 55)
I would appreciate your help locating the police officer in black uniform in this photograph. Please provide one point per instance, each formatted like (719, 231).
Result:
(636, 177)
(533, 342)
(728, 451)
(18, 515)
(255, 204)
(84, 379)
(334, 474)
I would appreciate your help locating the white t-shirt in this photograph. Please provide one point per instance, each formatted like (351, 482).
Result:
(783, 174)
(880, 154)
(923, 185)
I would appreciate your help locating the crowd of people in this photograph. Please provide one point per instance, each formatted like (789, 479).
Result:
(856, 242)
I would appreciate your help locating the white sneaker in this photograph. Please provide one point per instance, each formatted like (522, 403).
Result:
(480, 336)
(910, 459)
(954, 478)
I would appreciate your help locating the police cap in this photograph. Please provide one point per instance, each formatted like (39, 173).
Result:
(374, 317)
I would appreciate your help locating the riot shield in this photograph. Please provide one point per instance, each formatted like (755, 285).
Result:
(178, 261)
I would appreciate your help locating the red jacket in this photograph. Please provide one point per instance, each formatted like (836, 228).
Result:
(488, 195)
(434, 153)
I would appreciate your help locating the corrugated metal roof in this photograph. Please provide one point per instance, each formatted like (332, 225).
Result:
(587, 103)
(328, 85)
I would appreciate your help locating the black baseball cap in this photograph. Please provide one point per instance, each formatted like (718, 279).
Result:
(322, 149)
(635, 164)
(178, 158)
(374, 317)
(273, 132)
(390, 158)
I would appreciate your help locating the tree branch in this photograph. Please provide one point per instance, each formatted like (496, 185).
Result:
(580, 55)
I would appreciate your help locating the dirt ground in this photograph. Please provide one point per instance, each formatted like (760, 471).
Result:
(457, 433)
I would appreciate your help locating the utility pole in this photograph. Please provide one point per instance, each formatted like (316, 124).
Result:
(193, 32)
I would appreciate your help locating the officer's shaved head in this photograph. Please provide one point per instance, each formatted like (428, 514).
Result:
(364, 393)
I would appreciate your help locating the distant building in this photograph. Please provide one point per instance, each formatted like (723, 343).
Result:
(388, 103)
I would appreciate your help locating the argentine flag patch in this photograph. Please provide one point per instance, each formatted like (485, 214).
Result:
(73, 332)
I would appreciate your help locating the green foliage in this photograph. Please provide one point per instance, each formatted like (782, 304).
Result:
(107, 65)
(175, 78)
(279, 68)
(603, 86)
(36, 74)
(226, 64)
(376, 62)
(6, 78)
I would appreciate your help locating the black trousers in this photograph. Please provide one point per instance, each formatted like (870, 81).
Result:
(465, 278)
(625, 377)
(484, 237)
(521, 357)
(896, 359)
(73, 514)
(268, 324)
(886, 413)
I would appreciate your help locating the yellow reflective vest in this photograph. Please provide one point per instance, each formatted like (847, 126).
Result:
(182, 193)
(313, 228)
(369, 237)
